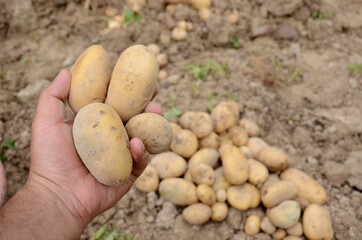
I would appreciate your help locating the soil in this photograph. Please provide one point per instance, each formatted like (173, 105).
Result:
(292, 81)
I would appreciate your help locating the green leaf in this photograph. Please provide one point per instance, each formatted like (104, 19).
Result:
(355, 68)
(176, 112)
(137, 17)
(235, 42)
(168, 115)
(234, 98)
(195, 89)
(4, 72)
(9, 144)
(210, 106)
(2, 159)
(100, 232)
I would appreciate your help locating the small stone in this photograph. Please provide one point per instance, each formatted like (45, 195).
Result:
(355, 201)
(283, 7)
(173, 79)
(353, 82)
(150, 219)
(359, 213)
(30, 94)
(234, 218)
(160, 201)
(120, 223)
(166, 217)
(151, 200)
(24, 140)
(124, 202)
(68, 61)
(111, 12)
(354, 166)
(336, 173)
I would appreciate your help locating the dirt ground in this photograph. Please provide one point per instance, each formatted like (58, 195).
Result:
(293, 82)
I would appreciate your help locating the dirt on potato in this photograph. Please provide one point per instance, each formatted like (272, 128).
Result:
(291, 68)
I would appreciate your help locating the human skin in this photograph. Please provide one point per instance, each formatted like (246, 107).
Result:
(60, 196)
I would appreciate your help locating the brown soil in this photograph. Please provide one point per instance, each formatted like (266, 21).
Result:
(315, 116)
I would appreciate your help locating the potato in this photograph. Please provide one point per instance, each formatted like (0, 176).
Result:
(221, 195)
(246, 151)
(136, 5)
(296, 230)
(162, 75)
(209, 156)
(219, 211)
(90, 75)
(197, 214)
(250, 127)
(292, 238)
(178, 191)
(212, 141)
(273, 178)
(258, 173)
(187, 175)
(111, 12)
(286, 214)
(273, 158)
(252, 225)
(199, 123)
(279, 234)
(302, 202)
(182, 24)
(220, 180)
(235, 165)
(255, 144)
(184, 143)
(317, 223)
(278, 192)
(205, 194)
(154, 48)
(148, 181)
(169, 164)
(175, 128)
(102, 143)
(267, 226)
(153, 129)
(232, 18)
(162, 59)
(133, 81)
(199, 4)
(178, 34)
(224, 139)
(225, 115)
(238, 136)
(202, 174)
(308, 188)
(243, 197)
(204, 14)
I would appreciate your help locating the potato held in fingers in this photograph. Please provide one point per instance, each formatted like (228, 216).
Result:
(154, 131)
(133, 81)
(102, 143)
(90, 74)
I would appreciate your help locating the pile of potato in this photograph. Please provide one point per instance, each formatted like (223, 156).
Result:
(104, 101)
(217, 160)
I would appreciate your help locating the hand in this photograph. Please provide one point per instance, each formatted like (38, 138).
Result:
(56, 167)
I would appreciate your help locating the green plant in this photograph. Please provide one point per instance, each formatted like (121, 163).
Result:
(195, 89)
(131, 17)
(355, 68)
(9, 144)
(200, 72)
(210, 107)
(277, 65)
(103, 234)
(235, 42)
(4, 72)
(319, 15)
(297, 73)
(175, 112)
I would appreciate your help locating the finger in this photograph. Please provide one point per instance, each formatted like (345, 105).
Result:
(2, 185)
(153, 107)
(157, 88)
(140, 156)
(51, 101)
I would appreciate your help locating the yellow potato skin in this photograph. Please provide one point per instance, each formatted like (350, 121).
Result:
(317, 223)
(133, 81)
(252, 225)
(220, 180)
(153, 129)
(148, 181)
(178, 191)
(90, 76)
(220, 211)
(234, 164)
(244, 196)
(209, 156)
(102, 144)
(206, 194)
(197, 214)
(273, 158)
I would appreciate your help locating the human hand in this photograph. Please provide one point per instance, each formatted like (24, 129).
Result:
(56, 168)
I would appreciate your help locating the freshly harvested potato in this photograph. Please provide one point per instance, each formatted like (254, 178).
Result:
(224, 139)
(162, 59)
(205, 194)
(238, 136)
(219, 211)
(273, 178)
(278, 192)
(154, 48)
(255, 144)
(90, 75)
(258, 173)
(187, 175)
(221, 195)
(175, 128)
(199, 4)
(212, 141)
(102, 143)
(225, 115)
(267, 226)
(235, 165)
(204, 14)
(246, 151)
(162, 75)
(317, 223)
(153, 129)
(136, 5)
(293, 238)
(250, 127)
(178, 34)
(148, 181)
(252, 225)
(308, 188)
(169, 164)
(178, 191)
(296, 230)
(209, 156)
(302, 202)
(184, 143)
(202, 174)
(273, 158)
(133, 81)
(197, 214)
(244, 196)
(279, 234)
(199, 123)
(286, 214)
(220, 181)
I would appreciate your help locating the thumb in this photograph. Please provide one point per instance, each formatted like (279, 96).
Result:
(50, 106)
